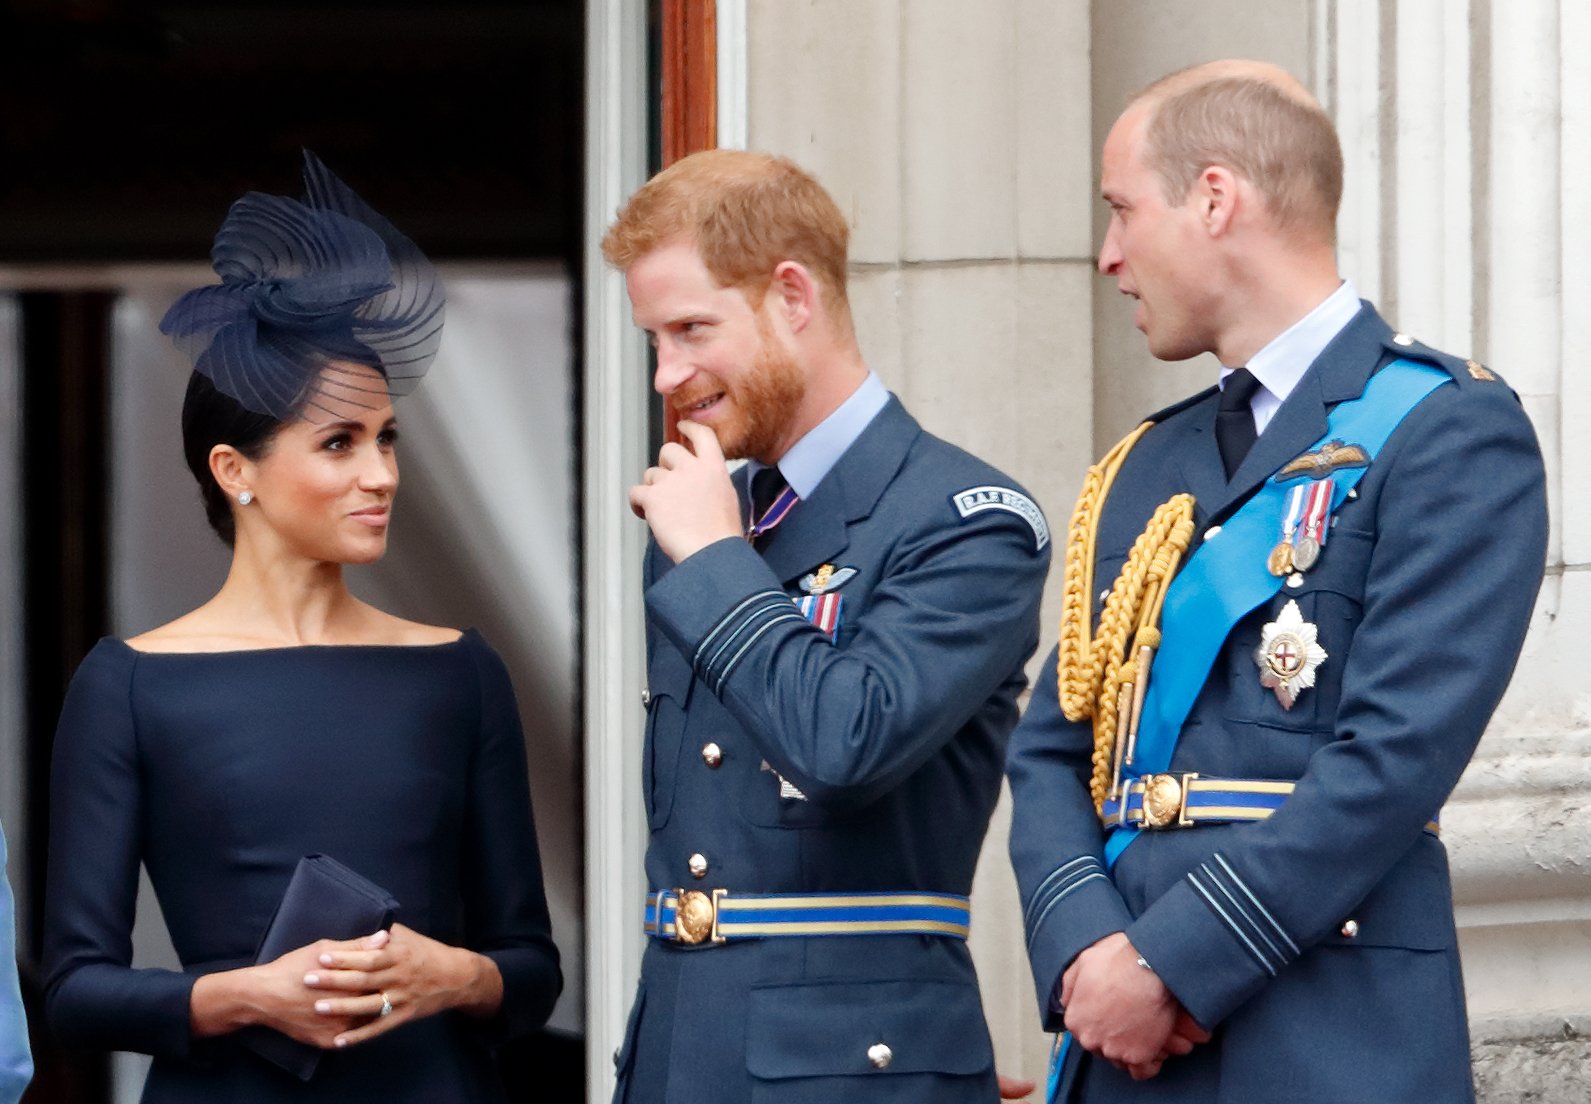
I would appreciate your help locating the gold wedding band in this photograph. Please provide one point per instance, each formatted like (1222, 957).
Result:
(386, 1007)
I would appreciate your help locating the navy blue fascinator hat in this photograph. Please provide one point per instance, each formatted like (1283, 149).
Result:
(306, 290)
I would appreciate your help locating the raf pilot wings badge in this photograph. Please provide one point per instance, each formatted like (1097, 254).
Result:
(1330, 457)
(827, 578)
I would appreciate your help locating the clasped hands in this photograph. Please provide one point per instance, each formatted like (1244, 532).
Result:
(417, 975)
(1124, 1013)
(687, 497)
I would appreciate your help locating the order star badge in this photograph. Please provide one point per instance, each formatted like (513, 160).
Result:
(1288, 654)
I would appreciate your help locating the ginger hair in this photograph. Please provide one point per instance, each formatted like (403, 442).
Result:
(746, 213)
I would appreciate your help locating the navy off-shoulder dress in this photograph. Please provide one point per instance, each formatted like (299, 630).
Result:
(219, 772)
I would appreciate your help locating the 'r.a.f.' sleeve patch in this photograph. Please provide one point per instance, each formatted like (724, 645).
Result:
(975, 500)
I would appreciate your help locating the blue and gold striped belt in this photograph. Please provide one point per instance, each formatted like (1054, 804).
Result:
(716, 916)
(1185, 800)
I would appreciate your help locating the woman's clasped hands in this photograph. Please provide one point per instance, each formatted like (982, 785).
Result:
(381, 981)
(333, 994)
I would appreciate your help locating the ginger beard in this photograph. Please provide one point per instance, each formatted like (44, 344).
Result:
(758, 402)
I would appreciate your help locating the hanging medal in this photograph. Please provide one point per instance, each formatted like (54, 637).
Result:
(1280, 562)
(1317, 511)
(777, 511)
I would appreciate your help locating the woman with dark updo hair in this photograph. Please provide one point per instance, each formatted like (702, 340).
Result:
(286, 718)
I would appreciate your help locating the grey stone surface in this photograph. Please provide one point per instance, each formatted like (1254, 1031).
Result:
(1544, 1070)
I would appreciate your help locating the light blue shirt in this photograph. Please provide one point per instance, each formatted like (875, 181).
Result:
(16, 1062)
(1281, 364)
(811, 458)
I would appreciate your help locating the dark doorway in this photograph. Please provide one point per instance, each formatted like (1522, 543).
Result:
(128, 125)
(126, 128)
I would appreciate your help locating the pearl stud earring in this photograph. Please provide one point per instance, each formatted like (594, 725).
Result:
(245, 498)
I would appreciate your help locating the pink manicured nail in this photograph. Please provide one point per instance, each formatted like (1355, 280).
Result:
(341, 1042)
(327, 960)
(311, 979)
(323, 1006)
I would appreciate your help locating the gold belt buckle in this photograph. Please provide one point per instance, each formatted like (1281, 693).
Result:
(696, 916)
(1165, 802)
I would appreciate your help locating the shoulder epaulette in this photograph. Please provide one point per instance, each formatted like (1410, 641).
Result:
(1464, 371)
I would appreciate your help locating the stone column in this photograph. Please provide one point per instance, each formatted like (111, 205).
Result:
(1467, 129)
(613, 449)
(956, 137)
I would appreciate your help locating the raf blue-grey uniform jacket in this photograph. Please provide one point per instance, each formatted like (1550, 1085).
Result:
(895, 734)
(1422, 596)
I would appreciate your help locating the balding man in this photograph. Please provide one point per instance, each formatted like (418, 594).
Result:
(1292, 602)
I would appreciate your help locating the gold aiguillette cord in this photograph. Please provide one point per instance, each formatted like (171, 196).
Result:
(1097, 681)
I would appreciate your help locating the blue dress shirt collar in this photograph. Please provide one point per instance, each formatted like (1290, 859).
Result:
(812, 457)
(1282, 363)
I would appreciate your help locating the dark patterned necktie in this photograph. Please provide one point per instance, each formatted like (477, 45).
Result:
(766, 486)
(1234, 419)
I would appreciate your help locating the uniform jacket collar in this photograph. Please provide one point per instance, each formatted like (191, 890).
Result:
(1338, 374)
(815, 531)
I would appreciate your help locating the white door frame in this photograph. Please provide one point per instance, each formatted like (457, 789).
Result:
(614, 447)
(616, 398)
(733, 122)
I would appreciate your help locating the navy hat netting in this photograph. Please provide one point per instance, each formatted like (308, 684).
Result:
(309, 290)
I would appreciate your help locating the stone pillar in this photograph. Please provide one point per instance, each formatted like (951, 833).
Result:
(1467, 129)
(613, 449)
(957, 139)
(1433, 261)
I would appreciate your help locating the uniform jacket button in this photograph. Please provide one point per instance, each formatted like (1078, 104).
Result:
(698, 865)
(880, 1056)
(646, 696)
(712, 755)
(1350, 928)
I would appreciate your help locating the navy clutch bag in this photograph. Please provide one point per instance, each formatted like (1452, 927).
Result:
(324, 900)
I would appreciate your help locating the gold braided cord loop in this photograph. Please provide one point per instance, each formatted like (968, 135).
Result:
(1077, 581)
(1098, 679)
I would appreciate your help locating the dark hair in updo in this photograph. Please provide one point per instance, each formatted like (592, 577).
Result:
(210, 418)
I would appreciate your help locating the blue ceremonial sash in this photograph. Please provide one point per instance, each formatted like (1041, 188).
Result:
(1063, 1043)
(1227, 576)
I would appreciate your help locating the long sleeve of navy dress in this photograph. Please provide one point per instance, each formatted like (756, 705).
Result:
(218, 772)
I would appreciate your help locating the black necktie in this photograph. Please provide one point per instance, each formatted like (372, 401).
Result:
(765, 487)
(1234, 419)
